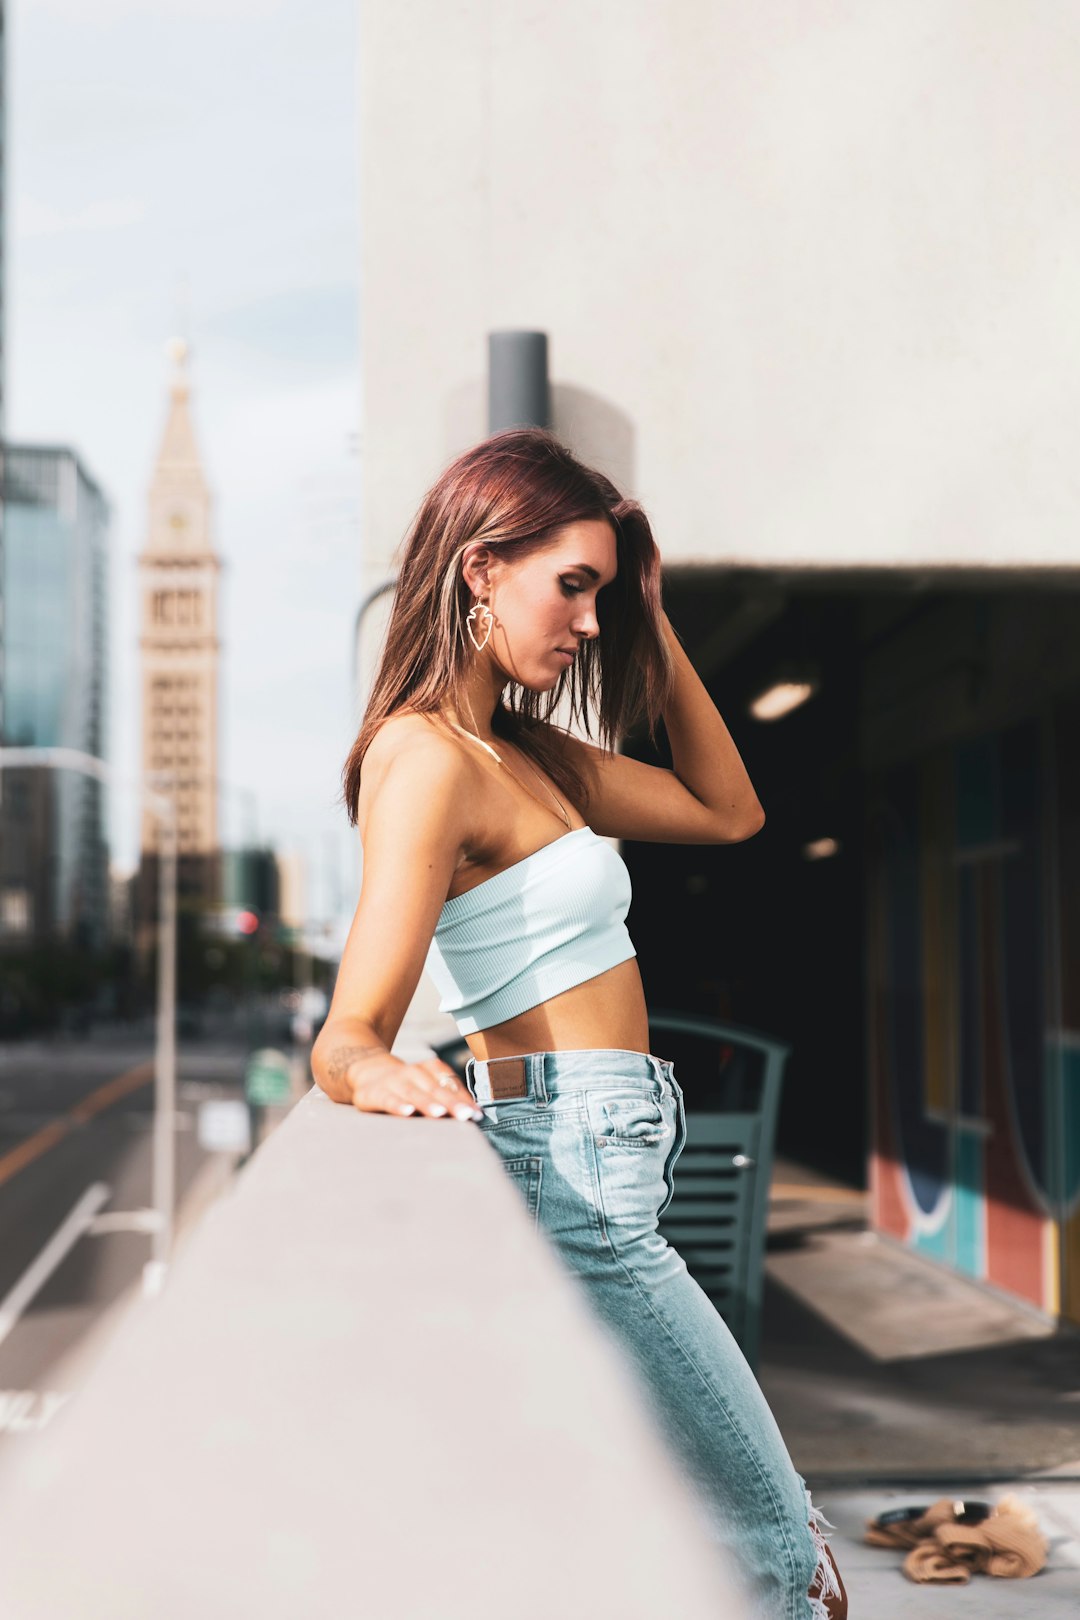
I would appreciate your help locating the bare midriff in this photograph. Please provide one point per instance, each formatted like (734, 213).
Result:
(605, 1011)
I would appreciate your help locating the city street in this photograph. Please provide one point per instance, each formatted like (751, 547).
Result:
(76, 1122)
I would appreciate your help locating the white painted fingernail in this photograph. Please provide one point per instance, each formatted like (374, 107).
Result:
(436, 1108)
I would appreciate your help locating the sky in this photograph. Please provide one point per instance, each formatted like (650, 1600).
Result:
(192, 166)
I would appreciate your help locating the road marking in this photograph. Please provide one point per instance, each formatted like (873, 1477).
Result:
(17, 1404)
(126, 1220)
(40, 1270)
(112, 1090)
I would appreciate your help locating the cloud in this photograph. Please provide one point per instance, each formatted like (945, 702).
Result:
(34, 218)
(298, 331)
(113, 11)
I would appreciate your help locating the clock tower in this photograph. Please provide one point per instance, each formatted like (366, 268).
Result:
(179, 646)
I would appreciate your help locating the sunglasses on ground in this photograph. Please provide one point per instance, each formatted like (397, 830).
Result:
(963, 1512)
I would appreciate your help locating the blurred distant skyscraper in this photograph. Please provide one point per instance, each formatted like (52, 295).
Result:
(54, 540)
(53, 857)
(178, 570)
(3, 350)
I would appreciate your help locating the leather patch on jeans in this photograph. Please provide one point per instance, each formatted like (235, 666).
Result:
(506, 1077)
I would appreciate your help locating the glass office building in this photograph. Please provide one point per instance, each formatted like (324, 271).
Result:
(3, 303)
(53, 852)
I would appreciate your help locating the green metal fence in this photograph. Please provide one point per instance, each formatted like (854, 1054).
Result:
(717, 1216)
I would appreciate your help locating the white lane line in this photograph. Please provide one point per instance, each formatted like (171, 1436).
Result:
(40, 1270)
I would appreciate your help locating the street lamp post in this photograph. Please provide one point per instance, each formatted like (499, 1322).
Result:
(158, 1219)
(166, 781)
(165, 1055)
(366, 601)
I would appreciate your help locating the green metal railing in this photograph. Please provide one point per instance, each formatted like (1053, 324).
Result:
(718, 1214)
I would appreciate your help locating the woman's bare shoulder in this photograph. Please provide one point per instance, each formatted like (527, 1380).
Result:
(409, 731)
(399, 728)
(417, 742)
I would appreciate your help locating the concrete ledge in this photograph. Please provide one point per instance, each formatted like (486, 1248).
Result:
(368, 1388)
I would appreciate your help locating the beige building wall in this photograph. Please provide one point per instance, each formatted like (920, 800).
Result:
(179, 646)
(807, 272)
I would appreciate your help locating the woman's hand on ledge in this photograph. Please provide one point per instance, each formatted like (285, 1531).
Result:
(376, 1082)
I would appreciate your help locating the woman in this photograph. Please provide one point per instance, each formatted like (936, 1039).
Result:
(483, 828)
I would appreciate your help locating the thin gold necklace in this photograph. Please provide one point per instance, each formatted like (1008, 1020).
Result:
(514, 774)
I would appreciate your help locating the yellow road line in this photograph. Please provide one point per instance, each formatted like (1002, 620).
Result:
(112, 1090)
(106, 1094)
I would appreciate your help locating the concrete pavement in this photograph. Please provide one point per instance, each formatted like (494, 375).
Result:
(878, 1589)
(896, 1383)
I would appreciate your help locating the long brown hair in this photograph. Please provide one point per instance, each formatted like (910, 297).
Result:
(513, 491)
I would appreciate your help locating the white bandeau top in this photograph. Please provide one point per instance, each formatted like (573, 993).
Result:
(551, 920)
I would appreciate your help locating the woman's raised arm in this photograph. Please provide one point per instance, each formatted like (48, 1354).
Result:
(706, 797)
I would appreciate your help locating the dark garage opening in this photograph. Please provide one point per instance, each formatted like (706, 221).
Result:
(759, 933)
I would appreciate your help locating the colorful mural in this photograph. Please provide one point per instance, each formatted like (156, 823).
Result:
(974, 1006)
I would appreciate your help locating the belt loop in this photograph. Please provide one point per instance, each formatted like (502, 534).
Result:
(537, 1078)
(470, 1078)
(658, 1067)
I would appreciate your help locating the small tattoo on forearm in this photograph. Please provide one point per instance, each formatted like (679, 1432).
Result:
(342, 1057)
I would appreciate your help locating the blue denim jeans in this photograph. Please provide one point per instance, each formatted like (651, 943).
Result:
(590, 1139)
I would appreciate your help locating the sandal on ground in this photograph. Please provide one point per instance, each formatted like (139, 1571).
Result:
(930, 1561)
(1008, 1544)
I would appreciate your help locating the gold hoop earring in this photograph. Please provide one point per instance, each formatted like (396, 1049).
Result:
(470, 618)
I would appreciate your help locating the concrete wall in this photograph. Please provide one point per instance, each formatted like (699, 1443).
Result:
(806, 269)
(369, 1388)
